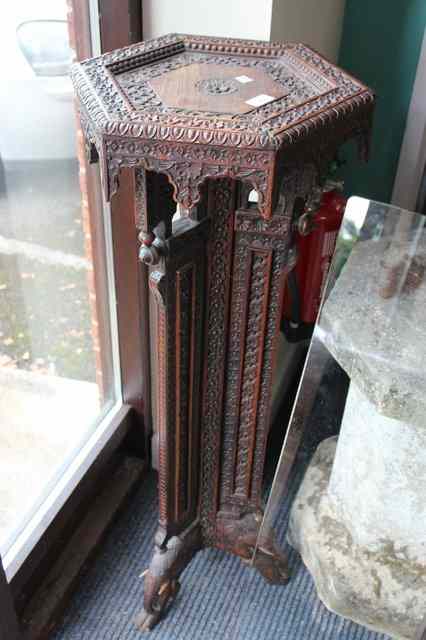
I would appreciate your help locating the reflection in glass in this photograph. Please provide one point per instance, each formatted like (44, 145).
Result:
(44, 44)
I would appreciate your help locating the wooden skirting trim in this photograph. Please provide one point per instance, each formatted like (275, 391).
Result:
(47, 605)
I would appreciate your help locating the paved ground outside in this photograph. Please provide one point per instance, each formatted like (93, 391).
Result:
(49, 399)
(43, 420)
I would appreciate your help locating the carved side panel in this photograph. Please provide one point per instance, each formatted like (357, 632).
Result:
(220, 205)
(260, 260)
(260, 267)
(178, 291)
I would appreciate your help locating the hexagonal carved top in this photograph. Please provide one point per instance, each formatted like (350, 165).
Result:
(193, 107)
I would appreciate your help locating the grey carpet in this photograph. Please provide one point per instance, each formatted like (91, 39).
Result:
(220, 598)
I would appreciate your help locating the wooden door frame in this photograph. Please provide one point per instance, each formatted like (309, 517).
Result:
(121, 24)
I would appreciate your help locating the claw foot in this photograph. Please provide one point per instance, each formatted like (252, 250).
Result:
(162, 600)
(240, 536)
(161, 586)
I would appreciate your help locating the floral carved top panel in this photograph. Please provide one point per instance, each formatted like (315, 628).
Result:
(203, 86)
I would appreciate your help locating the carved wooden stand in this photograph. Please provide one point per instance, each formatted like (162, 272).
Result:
(217, 274)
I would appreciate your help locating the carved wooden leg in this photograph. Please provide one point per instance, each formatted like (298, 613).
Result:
(161, 581)
(177, 260)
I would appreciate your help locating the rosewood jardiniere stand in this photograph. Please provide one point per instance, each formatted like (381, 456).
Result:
(203, 122)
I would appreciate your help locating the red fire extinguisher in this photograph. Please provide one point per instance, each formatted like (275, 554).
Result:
(315, 240)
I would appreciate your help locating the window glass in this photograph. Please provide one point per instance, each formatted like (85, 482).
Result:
(56, 360)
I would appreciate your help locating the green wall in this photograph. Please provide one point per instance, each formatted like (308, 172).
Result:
(381, 43)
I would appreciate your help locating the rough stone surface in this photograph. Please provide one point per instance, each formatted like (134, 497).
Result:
(382, 587)
(379, 478)
(378, 340)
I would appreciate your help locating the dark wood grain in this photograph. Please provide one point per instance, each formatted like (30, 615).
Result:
(188, 88)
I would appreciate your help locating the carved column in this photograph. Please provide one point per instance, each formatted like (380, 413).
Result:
(221, 198)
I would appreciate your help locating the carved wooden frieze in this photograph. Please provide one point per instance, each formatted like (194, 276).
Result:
(227, 108)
